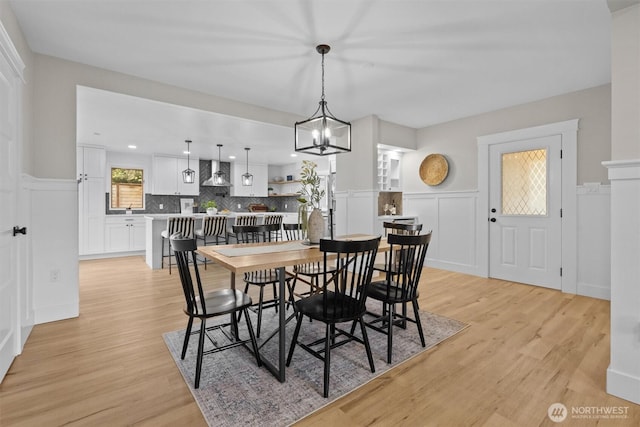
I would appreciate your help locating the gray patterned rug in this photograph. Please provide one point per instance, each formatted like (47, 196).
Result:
(234, 391)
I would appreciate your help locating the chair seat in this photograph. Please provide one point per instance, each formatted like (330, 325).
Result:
(222, 301)
(165, 234)
(337, 309)
(392, 294)
(262, 277)
(311, 269)
(199, 233)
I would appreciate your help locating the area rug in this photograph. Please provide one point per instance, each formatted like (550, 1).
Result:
(234, 391)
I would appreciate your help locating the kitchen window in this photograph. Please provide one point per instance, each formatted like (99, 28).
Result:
(127, 190)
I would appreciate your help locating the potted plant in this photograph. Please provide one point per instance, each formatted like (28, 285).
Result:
(211, 207)
(311, 194)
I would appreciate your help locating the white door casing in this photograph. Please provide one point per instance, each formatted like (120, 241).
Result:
(525, 241)
(11, 68)
(568, 132)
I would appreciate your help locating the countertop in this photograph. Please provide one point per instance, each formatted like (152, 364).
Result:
(385, 217)
(201, 215)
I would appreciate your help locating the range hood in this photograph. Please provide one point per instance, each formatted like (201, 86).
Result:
(209, 182)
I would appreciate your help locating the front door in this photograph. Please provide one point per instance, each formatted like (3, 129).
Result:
(525, 232)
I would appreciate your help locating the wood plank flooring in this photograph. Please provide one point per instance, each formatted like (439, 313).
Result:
(526, 348)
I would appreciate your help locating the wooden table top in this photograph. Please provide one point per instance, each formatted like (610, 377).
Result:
(260, 261)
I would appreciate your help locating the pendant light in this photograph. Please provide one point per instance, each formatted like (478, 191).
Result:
(323, 134)
(247, 178)
(218, 177)
(188, 175)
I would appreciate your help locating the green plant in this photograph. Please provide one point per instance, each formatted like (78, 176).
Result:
(210, 204)
(311, 192)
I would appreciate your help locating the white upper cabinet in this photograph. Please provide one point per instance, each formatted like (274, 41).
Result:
(167, 176)
(260, 178)
(90, 162)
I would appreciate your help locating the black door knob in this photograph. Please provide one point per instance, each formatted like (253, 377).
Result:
(492, 220)
(493, 210)
(18, 230)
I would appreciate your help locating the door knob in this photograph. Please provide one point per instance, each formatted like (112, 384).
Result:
(493, 210)
(18, 230)
(492, 220)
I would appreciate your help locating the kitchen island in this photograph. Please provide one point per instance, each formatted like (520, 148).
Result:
(157, 223)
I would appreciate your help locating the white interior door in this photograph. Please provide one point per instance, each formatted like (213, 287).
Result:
(9, 169)
(525, 232)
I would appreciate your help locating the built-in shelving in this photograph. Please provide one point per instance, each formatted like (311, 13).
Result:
(282, 187)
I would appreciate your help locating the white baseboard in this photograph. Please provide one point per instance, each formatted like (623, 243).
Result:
(56, 312)
(111, 255)
(594, 291)
(622, 385)
(455, 267)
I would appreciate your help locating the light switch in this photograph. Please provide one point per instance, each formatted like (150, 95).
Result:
(161, 206)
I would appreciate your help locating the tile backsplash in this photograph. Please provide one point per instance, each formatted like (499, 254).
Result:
(171, 204)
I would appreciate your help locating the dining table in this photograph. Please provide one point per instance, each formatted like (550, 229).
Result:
(247, 257)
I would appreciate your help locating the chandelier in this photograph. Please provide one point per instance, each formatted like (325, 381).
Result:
(323, 134)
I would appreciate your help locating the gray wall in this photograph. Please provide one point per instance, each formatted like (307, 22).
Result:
(457, 139)
(626, 85)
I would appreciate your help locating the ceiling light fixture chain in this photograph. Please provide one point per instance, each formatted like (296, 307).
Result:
(323, 134)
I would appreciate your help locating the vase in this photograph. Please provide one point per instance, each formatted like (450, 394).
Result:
(303, 216)
(212, 211)
(315, 226)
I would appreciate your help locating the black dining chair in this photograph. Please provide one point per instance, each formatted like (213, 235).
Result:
(262, 278)
(396, 227)
(348, 266)
(307, 273)
(405, 261)
(205, 305)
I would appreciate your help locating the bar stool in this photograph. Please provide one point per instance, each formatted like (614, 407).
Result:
(261, 278)
(242, 220)
(275, 219)
(176, 224)
(214, 228)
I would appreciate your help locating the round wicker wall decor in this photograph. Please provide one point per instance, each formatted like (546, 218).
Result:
(434, 169)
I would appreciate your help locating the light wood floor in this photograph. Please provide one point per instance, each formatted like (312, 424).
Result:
(526, 348)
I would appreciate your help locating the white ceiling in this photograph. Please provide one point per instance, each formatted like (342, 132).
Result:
(414, 63)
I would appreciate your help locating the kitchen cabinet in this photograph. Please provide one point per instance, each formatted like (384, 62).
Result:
(260, 178)
(90, 167)
(167, 176)
(389, 163)
(124, 233)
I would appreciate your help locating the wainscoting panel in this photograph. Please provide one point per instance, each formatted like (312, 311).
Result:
(594, 241)
(455, 246)
(54, 244)
(452, 218)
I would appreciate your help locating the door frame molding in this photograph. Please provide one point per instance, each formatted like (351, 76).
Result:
(568, 131)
